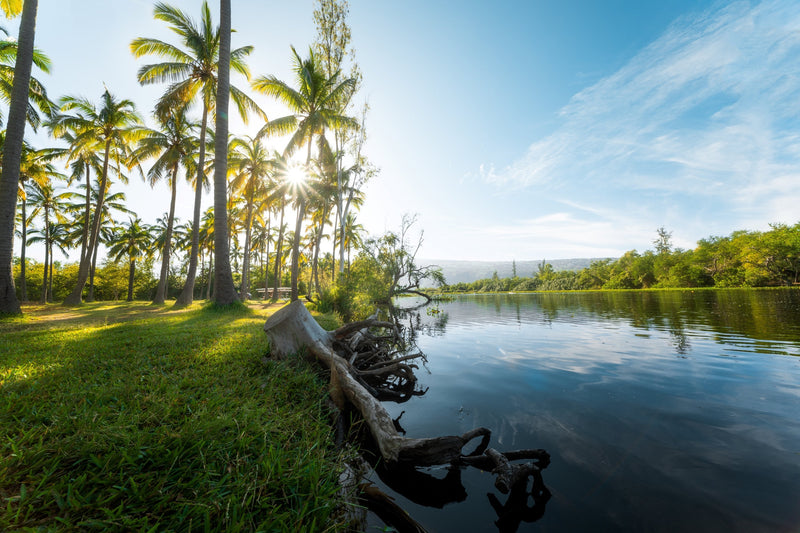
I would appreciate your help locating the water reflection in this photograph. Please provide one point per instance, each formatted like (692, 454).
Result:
(660, 408)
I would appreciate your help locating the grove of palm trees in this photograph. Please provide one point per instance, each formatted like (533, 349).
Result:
(283, 202)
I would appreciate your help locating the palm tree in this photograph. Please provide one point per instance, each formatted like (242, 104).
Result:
(224, 290)
(252, 166)
(132, 241)
(82, 160)
(114, 126)
(173, 146)
(315, 106)
(45, 201)
(35, 167)
(12, 147)
(37, 95)
(192, 73)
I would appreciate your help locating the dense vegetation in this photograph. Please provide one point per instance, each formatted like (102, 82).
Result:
(141, 418)
(742, 259)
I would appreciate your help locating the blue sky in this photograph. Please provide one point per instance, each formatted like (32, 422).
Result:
(520, 130)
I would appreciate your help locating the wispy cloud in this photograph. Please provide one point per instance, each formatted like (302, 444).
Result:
(708, 111)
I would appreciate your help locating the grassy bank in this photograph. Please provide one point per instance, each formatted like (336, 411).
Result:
(133, 417)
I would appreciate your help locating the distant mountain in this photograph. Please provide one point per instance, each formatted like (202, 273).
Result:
(469, 271)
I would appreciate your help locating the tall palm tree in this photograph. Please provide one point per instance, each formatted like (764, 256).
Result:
(315, 107)
(132, 241)
(192, 73)
(173, 147)
(35, 167)
(252, 165)
(52, 235)
(12, 147)
(114, 126)
(82, 159)
(224, 290)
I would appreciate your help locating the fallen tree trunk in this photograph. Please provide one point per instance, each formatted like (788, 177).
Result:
(293, 330)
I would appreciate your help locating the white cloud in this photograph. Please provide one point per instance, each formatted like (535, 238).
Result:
(708, 112)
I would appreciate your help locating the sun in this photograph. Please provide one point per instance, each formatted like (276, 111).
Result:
(296, 175)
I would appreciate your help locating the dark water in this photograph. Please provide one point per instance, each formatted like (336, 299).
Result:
(662, 411)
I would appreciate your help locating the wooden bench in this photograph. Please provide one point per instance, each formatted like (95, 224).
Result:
(283, 292)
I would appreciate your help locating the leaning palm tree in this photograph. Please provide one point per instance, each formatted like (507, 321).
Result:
(172, 147)
(12, 148)
(192, 72)
(252, 165)
(132, 241)
(315, 107)
(114, 125)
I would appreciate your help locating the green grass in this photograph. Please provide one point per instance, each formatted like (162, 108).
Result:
(135, 417)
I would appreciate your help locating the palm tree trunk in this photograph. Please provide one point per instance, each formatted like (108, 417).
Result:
(23, 284)
(276, 282)
(75, 297)
(50, 277)
(131, 274)
(161, 289)
(224, 290)
(43, 298)
(86, 214)
(266, 269)
(12, 152)
(314, 265)
(298, 226)
(187, 294)
(92, 270)
(244, 290)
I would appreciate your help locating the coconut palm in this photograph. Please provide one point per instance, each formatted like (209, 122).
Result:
(133, 241)
(12, 148)
(315, 107)
(114, 126)
(37, 94)
(35, 167)
(252, 167)
(50, 204)
(172, 146)
(192, 72)
(224, 290)
(82, 159)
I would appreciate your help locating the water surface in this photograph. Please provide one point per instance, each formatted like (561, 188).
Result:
(662, 411)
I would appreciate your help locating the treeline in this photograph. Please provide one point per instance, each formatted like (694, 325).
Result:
(742, 259)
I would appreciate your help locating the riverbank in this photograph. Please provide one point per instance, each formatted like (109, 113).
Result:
(134, 417)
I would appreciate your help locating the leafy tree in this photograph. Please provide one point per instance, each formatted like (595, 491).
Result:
(394, 255)
(193, 73)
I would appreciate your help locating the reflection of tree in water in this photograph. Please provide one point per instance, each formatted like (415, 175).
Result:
(522, 505)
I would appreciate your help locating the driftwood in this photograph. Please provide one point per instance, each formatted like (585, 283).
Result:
(366, 367)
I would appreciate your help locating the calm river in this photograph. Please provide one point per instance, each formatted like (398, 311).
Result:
(662, 411)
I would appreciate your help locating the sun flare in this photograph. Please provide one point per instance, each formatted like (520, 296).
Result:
(296, 175)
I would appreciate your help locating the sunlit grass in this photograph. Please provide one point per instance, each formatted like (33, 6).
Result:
(133, 417)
